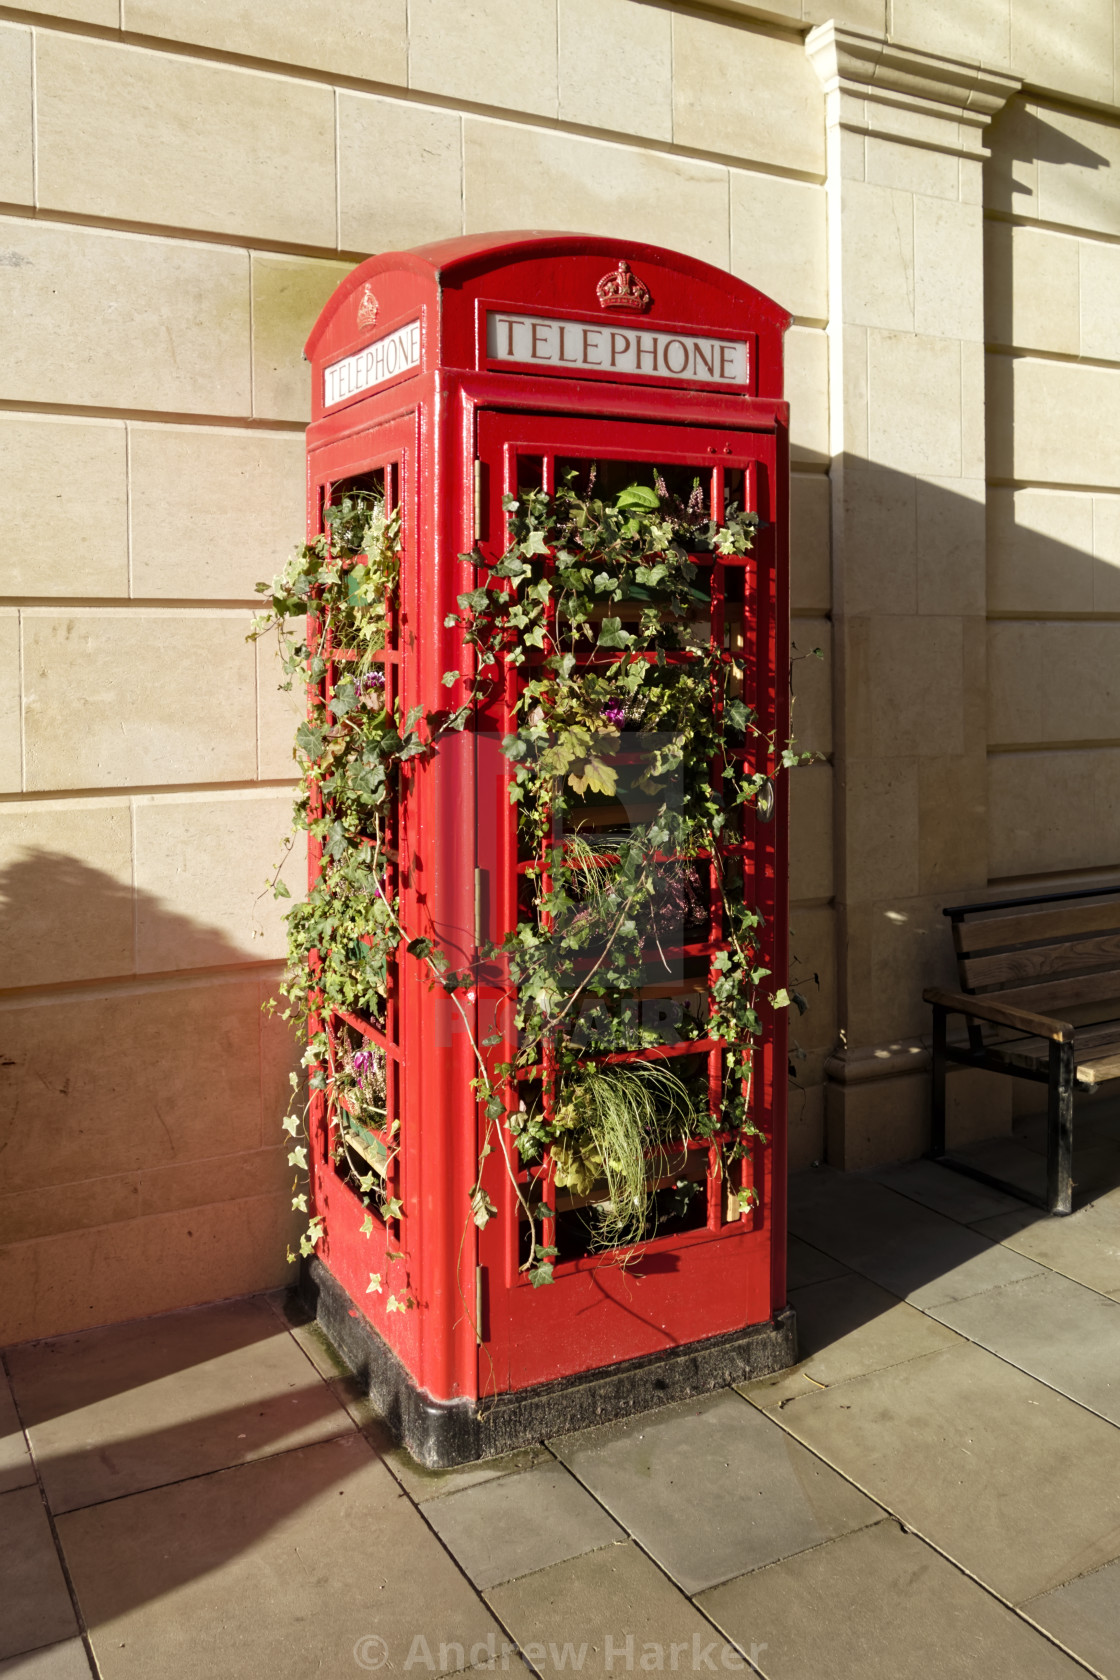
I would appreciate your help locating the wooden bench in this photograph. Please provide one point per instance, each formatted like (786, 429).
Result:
(1023, 964)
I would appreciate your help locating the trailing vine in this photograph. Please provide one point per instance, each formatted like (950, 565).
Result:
(593, 631)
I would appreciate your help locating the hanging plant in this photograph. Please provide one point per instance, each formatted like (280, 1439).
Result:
(599, 610)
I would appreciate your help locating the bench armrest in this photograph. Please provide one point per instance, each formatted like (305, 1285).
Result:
(1002, 1014)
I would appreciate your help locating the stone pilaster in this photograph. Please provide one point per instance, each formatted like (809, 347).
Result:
(906, 344)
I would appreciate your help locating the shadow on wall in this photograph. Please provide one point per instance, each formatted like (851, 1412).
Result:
(141, 1158)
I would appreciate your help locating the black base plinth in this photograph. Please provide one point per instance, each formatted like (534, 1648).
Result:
(440, 1433)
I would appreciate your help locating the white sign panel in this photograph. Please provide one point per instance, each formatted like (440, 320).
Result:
(398, 352)
(615, 347)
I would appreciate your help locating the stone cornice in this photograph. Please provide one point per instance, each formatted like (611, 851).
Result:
(875, 86)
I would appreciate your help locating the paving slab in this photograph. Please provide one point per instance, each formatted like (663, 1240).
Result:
(805, 1265)
(287, 1566)
(109, 1412)
(1084, 1246)
(1018, 1484)
(915, 1253)
(1085, 1616)
(945, 1191)
(609, 1612)
(518, 1524)
(67, 1661)
(16, 1468)
(771, 1394)
(879, 1605)
(1057, 1330)
(712, 1487)
(849, 1326)
(419, 1482)
(35, 1607)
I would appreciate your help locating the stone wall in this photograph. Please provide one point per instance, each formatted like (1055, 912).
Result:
(182, 184)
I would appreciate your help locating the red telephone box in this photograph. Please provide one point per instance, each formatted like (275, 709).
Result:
(453, 377)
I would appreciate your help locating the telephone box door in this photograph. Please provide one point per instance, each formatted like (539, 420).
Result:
(714, 1264)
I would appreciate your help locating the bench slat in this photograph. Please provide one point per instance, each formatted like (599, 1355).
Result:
(1062, 922)
(1051, 996)
(1042, 960)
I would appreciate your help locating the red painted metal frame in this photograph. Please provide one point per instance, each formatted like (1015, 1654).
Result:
(429, 428)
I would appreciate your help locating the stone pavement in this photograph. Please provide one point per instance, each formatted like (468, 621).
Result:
(933, 1491)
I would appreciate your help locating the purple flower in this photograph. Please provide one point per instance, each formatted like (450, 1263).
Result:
(374, 679)
(614, 713)
(362, 1061)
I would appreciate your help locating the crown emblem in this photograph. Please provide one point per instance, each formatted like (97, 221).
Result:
(623, 290)
(367, 308)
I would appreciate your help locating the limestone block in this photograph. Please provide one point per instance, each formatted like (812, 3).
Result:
(358, 38)
(1011, 174)
(63, 506)
(225, 150)
(1062, 420)
(1051, 811)
(400, 173)
(810, 559)
(948, 269)
(914, 437)
(282, 1045)
(881, 829)
(1077, 674)
(288, 294)
(1040, 551)
(203, 864)
(877, 231)
(1016, 683)
(974, 457)
(877, 1122)
(807, 393)
(958, 29)
(851, 350)
(110, 1273)
(950, 536)
(127, 1080)
(953, 821)
(1048, 52)
(878, 525)
(782, 120)
(214, 510)
(487, 52)
(111, 1200)
(910, 169)
(280, 711)
(805, 1143)
(107, 320)
(891, 950)
(65, 891)
(810, 832)
(105, 12)
(811, 680)
(616, 67)
(1106, 554)
(770, 11)
(17, 179)
(869, 15)
(779, 241)
(1078, 155)
(163, 697)
(812, 970)
(11, 744)
(1031, 280)
(1099, 280)
(905, 686)
(534, 177)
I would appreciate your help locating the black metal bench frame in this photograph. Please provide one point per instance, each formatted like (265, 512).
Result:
(1059, 1075)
